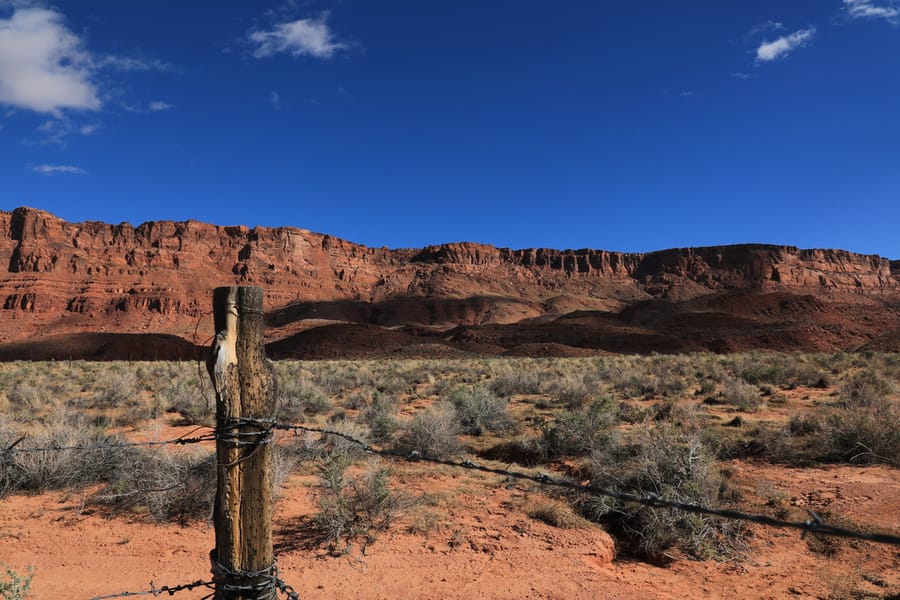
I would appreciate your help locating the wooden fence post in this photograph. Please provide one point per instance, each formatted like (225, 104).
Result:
(245, 406)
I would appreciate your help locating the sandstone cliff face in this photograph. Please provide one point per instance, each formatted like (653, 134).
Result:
(57, 276)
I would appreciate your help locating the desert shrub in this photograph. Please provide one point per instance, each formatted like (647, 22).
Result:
(14, 585)
(57, 468)
(633, 382)
(354, 508)
(867, 434)
(381, 418)
(432, 433)
(298, 398)
(118, 388)
(865, 389)
(479, 410)
(758, 369)
(185, 396)
(167, 485)
(745, 396)
(28, 398)
(580, 433)
(516, 380)
(670, 463)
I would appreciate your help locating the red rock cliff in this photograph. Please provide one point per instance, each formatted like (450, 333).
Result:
(57, 276)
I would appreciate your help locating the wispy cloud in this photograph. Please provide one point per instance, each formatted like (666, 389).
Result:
(767, 27)
(741, 75)
(303, 37)
(43, 65)
(275, 99)
(150, 107)
(888, 10)
(769, 51)
(129, 63)
(51, 170)
(159, 105)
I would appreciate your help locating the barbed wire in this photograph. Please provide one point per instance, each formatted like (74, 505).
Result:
(179, 441)
(815, 523)
(171, 590)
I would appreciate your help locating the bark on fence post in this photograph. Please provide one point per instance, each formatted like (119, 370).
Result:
(245, 404)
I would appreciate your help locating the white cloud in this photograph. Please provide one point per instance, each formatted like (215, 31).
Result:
(58, 170)
(88, 129)
(43, 66)
(158, 105)
(151, 107)
(303, 37)
(275, 99)
(740, 75)
(769, 51)
(873, 9)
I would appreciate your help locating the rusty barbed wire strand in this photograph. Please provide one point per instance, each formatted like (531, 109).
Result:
(179, 441)
(171, 590)
(815, 524)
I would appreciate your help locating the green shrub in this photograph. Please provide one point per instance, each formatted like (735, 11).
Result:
(13, 585)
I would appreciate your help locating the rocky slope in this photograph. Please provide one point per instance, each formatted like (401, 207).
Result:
(59, 279)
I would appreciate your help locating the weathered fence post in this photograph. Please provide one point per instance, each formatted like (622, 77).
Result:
(242, 561)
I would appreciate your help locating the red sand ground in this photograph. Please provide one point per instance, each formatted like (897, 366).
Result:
(484, 546)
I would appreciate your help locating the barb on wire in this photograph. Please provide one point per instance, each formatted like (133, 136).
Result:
(814, 524)
(171, 590)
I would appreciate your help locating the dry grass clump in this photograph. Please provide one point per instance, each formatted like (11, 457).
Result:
(556, 513)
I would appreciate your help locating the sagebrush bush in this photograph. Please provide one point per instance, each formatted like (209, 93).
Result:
(57, 469)
(866, 434)
(432, 433)
(865, 389)
(580, 433)
(745, 396)
(354, 507)
(298, 398)
(381, 417)
(672, 464)
(479, 410)
(167, 485)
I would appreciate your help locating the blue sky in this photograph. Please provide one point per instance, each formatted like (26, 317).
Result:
(628, 126)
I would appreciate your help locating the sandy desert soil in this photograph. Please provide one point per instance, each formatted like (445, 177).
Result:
(482, 546)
